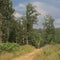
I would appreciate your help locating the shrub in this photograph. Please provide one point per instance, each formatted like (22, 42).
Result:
(8, 47)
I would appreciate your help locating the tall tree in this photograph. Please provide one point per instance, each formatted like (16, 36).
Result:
(49, 29)
(6, 10)
(30, 19)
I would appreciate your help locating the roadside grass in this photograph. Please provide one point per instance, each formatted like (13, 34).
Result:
(22, 50)
(49, 52)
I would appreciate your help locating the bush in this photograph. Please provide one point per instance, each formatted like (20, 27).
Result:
(8, 47)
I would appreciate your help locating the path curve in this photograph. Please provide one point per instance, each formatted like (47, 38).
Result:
(28, 56)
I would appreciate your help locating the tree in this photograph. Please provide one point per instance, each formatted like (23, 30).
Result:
(19, 32)
(57, 35)
(30, 19)
(36, 41)
(49, 29)
(6, 10)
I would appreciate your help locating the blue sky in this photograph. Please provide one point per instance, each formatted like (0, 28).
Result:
(42, 6)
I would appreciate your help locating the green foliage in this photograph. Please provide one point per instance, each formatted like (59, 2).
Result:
(57, 35)
(49, 29)
(21, 30)
(36, 39)
(6, 10)
(29, 19)
(8, 47)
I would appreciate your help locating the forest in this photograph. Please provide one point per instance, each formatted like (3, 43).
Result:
(19, 33)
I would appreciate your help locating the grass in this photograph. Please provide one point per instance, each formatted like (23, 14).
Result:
(49, 52)
(24, 50)
(21, 51)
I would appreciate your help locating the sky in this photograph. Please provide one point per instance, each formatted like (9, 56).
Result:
(44, 7)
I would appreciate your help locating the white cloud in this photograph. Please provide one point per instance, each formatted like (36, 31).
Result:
(17, 14)
(20, 7)
(57, 23)
(45, 8)
(38, 6)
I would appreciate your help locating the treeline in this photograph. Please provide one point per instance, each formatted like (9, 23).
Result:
(21, 30)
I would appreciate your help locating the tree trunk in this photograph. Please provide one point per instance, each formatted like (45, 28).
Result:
(27, 40)
(0, 29)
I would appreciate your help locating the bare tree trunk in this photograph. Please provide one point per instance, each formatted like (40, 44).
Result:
(0, 29)
(23, 39)
(27, 39)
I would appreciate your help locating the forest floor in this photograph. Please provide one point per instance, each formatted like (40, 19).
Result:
(28, 56)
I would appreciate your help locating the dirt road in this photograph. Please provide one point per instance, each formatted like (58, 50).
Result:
(28, 56)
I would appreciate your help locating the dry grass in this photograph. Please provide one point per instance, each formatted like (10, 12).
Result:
(21, 51)
(49, 52)
(6, 56)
